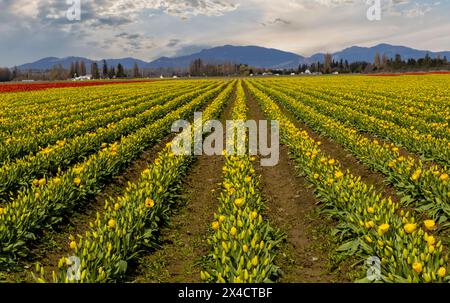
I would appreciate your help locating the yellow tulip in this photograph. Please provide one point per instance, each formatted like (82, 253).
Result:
(416, 175)
(77, 181)
(239, 202)
(384, 228)
(149, 203)
(42, 182)
(112, 223)
(442, 272)
(215, 225)
(233, 231)
(417, 267)
(431, 249)
(430, 224)
(255, 261)
(410, 228)
(338, 174)
(431, 240)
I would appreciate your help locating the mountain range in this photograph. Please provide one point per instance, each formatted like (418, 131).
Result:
(252, 55)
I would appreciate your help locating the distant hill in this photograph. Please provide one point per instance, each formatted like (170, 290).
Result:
(48, 63)
(357, 53)
(252, 55)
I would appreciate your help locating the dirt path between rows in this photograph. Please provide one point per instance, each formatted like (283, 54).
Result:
(291, 206)
(183, 241)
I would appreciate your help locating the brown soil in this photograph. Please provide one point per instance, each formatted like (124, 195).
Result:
(183, 242)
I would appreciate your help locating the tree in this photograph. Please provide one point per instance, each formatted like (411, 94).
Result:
(54, 73)
(112, 73)
(328, 60)
(120, 71)
(427, 60)
(377, 60)
(72, 70)
(94, 71)
(5, 74)
(105, 69)
(77, 68)
(384, 61)
(82, 68)
(196, 68)
(15, 73)
(398, 61)
(136, 72)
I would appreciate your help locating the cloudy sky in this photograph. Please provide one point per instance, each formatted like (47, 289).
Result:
(148, 29)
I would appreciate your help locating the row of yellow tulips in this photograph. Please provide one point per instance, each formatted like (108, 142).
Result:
(242, 242)
(369, 225)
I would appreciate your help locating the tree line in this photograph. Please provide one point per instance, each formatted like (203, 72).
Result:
(76, 69)
(381, 63)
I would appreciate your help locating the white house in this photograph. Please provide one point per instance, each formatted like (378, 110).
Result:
(308, 72)
(82, 78)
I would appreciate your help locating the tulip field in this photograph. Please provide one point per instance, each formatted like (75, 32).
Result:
(91, 191)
